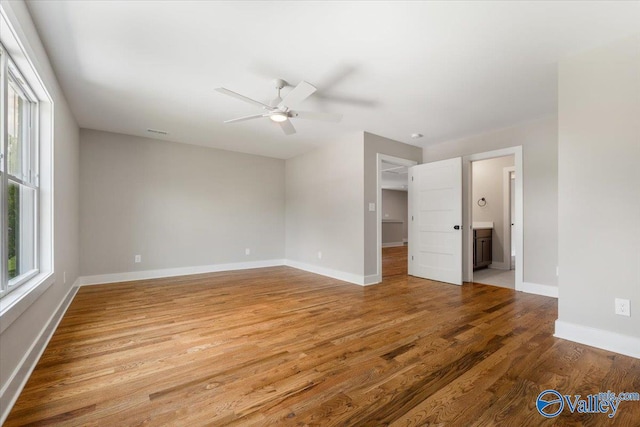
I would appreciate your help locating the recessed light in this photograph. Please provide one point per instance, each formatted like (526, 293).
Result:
(159, 132)
(416, 135)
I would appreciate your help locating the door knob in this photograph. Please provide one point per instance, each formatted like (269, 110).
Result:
(456, 227)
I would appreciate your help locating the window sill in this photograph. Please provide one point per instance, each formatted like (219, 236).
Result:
(19, 300)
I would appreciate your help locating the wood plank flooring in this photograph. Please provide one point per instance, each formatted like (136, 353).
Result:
(394, 261)
(282, 346)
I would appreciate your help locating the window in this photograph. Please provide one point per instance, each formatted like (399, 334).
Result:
(26, 176)
(18, 178)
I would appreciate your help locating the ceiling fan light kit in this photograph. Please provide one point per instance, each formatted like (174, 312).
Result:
(278, 117)
(280, 109)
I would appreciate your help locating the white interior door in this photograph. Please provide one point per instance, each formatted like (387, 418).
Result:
(435, 209)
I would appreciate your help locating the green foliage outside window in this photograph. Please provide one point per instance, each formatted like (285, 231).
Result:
(14, 216)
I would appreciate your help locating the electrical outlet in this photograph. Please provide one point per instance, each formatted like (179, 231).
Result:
(372, 207)
(622, 307)
(137, 259)
(319, 255)
(247, 251)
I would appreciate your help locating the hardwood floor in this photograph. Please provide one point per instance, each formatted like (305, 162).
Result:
(282, 346)
(394, 261)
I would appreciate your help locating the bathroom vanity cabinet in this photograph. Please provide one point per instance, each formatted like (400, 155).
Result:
(482, 247)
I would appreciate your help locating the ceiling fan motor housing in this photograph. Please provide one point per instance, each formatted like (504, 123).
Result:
(279, 83)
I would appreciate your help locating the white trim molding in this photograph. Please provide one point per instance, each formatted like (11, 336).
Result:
(372, 280)
(13, 387)
(606, 340)
(507, 229)
(13, 38)
(334, 274)
(215, 268)
(179, 271)
(392, 244)
(537, 289)
(17, 302)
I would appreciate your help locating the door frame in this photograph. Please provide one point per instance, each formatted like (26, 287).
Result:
(399, 161)
(467, 206)
(506, 203)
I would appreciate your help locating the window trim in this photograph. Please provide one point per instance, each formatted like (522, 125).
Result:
(11, 75)
(16, 302)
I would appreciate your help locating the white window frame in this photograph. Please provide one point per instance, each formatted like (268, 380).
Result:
(28, 289)
(9, 69)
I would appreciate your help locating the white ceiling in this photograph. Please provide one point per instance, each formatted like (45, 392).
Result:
(394, 176)
(443, 69)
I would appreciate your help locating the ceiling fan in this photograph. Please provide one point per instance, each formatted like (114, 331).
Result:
(280, 110)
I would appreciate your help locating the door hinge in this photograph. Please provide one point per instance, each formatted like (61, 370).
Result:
(411, 257)
(411, 217)
(411, 177)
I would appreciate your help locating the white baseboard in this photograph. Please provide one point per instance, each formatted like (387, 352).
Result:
(334, 274)
(535, 288)
(13, 387)
(185, 271)
(180, 271)
(606, 340)
(499, 266)
(392, 244)
(372, 279)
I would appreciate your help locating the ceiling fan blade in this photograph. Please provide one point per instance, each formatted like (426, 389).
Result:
(242, 119)
(313, 115)
(287, 127)
(298, 94)
(323, 95)
(242, 97)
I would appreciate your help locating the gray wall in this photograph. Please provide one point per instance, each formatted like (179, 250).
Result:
(374, 144)
(176, 205)
(324, 206)
(16, 340)
(599, 209)
(394, 207)
(539, 141)
(488, 183)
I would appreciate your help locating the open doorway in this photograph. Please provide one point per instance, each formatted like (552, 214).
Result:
(491, 221)
(393, 215)
(508, 199)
